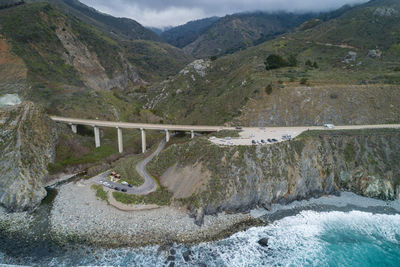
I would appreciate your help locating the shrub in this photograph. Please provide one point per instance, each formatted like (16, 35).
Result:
(213, 58)
(275, 62)
(308, 63)
(292, 61)
(268, 89)
(304, 81)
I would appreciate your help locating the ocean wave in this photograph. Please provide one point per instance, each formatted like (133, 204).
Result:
(310, 238)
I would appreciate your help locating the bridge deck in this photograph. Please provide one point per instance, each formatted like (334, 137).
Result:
(147, 126)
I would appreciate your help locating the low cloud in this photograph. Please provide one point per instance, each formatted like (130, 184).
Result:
(163, 13)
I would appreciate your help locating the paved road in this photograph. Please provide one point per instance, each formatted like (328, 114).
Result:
(148, 126)
(149, 184)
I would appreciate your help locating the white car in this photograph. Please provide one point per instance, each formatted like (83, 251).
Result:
(329, 126)
(212, 138)
(124, 183)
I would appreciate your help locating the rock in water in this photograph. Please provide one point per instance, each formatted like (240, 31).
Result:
(27, 145)
(263, 242)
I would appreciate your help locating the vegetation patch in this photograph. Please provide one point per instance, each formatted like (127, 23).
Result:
(100, 193)
(161, 197)
(349, 153)
(127, 169)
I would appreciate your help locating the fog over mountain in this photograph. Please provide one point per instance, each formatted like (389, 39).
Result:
(163, 13)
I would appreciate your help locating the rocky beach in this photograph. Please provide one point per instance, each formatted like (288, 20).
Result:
(78, 212)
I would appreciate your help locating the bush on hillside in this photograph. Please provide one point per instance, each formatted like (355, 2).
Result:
(268, 89)
(311, 64)
(292, 61)
(274, 61)
(304, 81)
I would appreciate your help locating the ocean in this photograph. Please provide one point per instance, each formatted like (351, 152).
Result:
(308, 238)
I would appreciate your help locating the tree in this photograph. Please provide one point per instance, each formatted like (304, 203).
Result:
(292, 61)
(275, 62)
(309, 63)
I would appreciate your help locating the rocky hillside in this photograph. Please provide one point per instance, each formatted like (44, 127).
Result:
(121, 28)
(340, 71)
(237, 179)
(27, 142)
(68, 63)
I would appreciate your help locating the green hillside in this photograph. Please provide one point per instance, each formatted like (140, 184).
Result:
(75, 69)
(183, 35)
(240, 31)
(236, 84)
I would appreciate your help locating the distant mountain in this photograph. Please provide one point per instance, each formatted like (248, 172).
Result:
(232, 33)
(185, 34)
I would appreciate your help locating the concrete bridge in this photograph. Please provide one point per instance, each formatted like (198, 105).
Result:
(142, 126)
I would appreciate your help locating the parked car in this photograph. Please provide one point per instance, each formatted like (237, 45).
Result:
(117, 188)
(253, 142)
(124, 183)
(123, 190)
(274, 140)
(262, 141)
(269, 140)
(238, 128)
(329, 126)
(130, 185)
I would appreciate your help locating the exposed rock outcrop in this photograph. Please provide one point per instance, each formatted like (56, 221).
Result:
(364, 162)
(27, 145)
(92, 73)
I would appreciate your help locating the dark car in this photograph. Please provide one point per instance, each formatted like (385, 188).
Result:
(253, 142)
(269, 140)
(238, 128)
(117, 189)
(130, 185)
(274, 140)
(123, 190)
(262, 141)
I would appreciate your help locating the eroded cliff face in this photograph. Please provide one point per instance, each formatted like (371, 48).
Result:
(318, 163)
(27, 145)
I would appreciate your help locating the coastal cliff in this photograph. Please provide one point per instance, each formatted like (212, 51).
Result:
(27, 144)
(237, 179)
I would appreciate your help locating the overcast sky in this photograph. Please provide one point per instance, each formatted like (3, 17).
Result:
(163, 13)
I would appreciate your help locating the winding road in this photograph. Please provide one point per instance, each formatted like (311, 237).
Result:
(149, 184)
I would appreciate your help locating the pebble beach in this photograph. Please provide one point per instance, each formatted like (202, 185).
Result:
(77, 212)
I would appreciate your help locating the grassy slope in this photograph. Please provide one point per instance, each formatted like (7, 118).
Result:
(31, 31)
(242, 76)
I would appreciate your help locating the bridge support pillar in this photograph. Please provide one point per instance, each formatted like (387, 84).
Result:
(143, 140)
(120, 142)
(192, 134)
(97, 136)
(74, 128)
(167, 135)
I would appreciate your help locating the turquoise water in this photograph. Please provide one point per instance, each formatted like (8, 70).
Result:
(308, 239)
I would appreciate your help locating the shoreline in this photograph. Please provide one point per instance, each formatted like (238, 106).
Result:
(78, 217)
